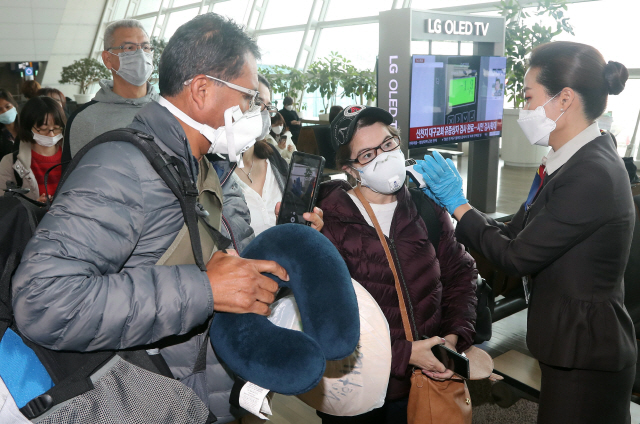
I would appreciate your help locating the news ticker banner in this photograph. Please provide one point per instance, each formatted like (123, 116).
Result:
(422, 134)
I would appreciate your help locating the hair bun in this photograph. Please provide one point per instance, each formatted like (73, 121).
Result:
(616, 75)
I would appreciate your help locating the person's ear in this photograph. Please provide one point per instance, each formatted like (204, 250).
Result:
(107, 60)
(200, 90)
(567, 96)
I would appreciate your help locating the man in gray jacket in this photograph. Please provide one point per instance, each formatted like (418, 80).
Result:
(88, 278)
(129, 56)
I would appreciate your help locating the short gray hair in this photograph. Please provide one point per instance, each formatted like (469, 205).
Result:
(124, 23)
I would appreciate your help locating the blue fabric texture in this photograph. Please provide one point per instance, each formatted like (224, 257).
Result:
(21, 370)
(443, 181)
(282, 360)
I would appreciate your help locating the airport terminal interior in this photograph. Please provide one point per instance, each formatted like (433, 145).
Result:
(448, 74)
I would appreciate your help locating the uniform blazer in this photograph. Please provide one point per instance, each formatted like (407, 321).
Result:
(574, 241)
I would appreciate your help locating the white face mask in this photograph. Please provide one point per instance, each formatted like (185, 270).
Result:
(536, 126)
(236, 136)
(385, 174)
(277, 130)
(136, 67)
(45, 140)
(289, 107)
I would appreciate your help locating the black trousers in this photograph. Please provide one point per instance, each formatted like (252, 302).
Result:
(585, 396)
(392, 412)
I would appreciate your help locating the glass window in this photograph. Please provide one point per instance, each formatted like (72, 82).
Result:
(147, 6)
(238, 10)
(362, 55)
(178, 3)
(285, 13)
(176, 19)
(148, 24)
(444, 47)
(356, 8)
(624, 109)
(594, 24)
(434, 4)
(280, 49)
(120, 10)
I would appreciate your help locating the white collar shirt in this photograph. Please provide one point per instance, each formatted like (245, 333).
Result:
(555, 159)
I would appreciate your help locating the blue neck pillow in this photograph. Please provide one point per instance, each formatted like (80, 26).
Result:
(287, 361)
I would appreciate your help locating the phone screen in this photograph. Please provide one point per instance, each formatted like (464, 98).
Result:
(452, 360)
(300, 191)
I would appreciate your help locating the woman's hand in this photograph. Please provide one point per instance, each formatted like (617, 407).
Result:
(290, 147)
(443, 180)
(314, 217)
(422, 357)
(43, 198)
(450, 341)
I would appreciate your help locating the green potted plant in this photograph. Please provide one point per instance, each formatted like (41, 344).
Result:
(84, 72)
(158, 48)
(326, 76)
(520, 40)
(287, 81)
(359, 84)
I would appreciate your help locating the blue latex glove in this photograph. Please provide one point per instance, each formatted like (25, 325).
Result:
(443, 180)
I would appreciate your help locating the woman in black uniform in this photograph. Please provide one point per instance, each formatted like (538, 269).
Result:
(569, 241)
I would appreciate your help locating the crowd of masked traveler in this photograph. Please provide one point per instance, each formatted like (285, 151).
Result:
(104, 271)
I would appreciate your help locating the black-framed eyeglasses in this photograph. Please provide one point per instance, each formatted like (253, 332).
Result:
(132, 47)
(273, 111)
(389, 144)
(47, 131)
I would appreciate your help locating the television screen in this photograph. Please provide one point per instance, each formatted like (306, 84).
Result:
(455, 99)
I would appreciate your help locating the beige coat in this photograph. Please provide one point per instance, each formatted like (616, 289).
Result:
(23, 168)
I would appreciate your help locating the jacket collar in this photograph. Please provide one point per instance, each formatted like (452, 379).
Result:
(157, 121)
(338, 205)
(106, 95)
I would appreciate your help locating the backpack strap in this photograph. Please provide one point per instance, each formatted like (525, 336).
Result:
(428, 214)
(15, 173)
(171, 169)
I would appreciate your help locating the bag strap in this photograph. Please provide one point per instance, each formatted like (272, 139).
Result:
(428, 215)
(171, 169)
(392, 265)
(15, 173)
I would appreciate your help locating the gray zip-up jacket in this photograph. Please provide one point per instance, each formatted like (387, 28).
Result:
(87, 280)
(107, 111)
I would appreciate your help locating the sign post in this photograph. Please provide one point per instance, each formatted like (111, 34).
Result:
(398, 28)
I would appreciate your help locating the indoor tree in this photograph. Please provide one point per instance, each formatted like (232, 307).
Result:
(521, 39)
(326, 76)
(84, 72)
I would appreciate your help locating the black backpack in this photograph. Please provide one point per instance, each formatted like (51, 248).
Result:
(70, 371)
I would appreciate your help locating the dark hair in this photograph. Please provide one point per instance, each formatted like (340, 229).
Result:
(30, 88)
(208, 44)
(34, 114)
(48, 91)
(343, 154)
(275, 119)
(334, 111)
(582, 68)
(287, 101)
(262, 149)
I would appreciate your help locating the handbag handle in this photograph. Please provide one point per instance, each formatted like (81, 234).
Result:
(403, 309)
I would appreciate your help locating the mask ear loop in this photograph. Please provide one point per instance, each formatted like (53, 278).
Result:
(358, 181)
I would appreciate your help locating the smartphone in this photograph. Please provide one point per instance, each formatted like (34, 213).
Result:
(452, 360)
(301, 189)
